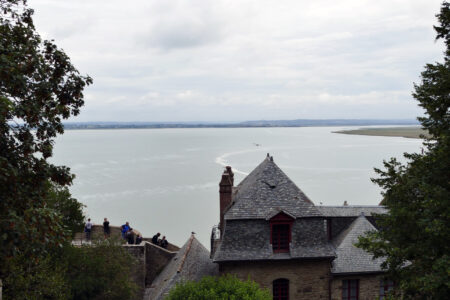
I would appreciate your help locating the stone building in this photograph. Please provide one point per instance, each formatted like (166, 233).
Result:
(272, 232)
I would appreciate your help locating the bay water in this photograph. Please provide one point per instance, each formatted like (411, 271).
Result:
(166, 180)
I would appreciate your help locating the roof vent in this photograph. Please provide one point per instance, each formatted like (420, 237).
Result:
(271, 158)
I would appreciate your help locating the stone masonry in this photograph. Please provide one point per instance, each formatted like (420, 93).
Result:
(307, 279)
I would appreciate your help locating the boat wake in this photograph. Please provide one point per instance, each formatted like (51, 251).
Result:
(222, 159)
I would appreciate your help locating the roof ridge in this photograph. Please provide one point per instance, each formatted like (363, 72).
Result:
(188, 248)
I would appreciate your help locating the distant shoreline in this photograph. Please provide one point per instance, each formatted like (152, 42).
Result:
(406, 132)
(246, 124)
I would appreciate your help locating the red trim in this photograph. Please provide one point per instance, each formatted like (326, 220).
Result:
(347, 285)
(280, 219)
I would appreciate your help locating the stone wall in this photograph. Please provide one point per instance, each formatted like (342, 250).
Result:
(369, 286)
(97, 233)
(156, 258)
(170, 247)
(139, 274)
(150, 261)
(307, 279)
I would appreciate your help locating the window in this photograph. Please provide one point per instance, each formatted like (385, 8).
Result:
(281, 289)
(385, 287)
(350, 289)
(280, 236)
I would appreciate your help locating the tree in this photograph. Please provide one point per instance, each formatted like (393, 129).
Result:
(415, 234)
(101, 272)
(218, 288)
(39, 87)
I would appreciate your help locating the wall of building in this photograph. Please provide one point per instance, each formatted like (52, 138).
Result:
(307, 279)
(369, 286)
(156, 258)
(139, 270)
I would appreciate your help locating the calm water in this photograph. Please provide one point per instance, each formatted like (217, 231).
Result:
(167, 179)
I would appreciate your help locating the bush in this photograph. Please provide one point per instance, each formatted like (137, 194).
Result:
(215, 288)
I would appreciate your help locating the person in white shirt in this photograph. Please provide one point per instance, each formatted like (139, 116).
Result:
(88, 229)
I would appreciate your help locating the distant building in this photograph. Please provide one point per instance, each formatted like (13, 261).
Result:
(272, 232)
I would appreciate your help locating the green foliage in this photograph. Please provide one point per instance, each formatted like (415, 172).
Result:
(103, 271)
(39, 87)
(71, 211)
(415, 235)
(219, 288)
(35, 279)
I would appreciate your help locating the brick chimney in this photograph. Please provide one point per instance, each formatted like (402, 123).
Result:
(225, 190)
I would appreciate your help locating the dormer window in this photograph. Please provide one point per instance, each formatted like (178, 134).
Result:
(280, 232)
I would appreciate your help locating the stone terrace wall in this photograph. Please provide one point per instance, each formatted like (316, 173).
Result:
(139, 274)
(151, 260)
(97, 233)
(170, 247)
(156, 259)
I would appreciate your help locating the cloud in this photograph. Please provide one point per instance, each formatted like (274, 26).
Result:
(221, 60)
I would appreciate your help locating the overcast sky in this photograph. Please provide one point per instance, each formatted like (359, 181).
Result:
(214, 60)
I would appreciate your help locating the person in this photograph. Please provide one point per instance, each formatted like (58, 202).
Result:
(88, 229)
(164, 243)
(106, 229)
(130, 236)
(124, 229)
(155, 238)
(138, 239)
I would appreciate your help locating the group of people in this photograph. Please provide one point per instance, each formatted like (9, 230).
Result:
(160, 242)
(132, 236)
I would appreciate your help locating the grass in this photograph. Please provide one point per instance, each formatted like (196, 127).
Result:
(407, 132)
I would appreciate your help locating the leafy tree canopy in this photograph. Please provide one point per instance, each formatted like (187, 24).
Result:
(218, 288)
(100, 272)
(39, 87)
(415, 234)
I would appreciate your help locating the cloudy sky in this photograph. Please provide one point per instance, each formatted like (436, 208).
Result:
(217, 60)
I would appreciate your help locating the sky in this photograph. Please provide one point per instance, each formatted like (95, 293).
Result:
(217, 60)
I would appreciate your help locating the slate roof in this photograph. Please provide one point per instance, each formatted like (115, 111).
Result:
(351, 210)
(349, 258)
(268, 189)
(249, 240)
(192, 262)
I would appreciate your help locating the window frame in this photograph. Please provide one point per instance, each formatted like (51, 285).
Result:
(347, 283)
(386, 286)
(277, 287)
(281, 219)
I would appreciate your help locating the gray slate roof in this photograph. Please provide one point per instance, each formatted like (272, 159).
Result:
(192, 262)
(351, 259)
(265, 190)
(351, 210)
(245, 240)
